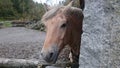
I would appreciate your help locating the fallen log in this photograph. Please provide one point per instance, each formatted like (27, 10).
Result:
(22, 63)
(17, 63)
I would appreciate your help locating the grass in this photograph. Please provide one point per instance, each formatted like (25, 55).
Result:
(6, 23)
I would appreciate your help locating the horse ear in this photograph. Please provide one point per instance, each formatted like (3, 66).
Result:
(68, 6)
(46, 7)
(82, 4)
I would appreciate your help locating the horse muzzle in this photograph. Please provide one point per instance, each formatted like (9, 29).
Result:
(50, 56)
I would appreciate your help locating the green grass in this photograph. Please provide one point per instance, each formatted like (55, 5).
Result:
(6, 24)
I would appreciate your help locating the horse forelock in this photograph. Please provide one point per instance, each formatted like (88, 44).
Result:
(72, 10)
(50, 14)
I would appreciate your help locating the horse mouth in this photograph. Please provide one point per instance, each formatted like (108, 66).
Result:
(51, 57)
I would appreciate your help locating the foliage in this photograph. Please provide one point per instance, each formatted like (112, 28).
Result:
(6, 9)
(7, 24)
(20, 9)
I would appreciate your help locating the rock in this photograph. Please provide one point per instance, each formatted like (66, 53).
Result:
(100, 40)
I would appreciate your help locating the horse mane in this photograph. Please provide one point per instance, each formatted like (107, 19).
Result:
(71, 11)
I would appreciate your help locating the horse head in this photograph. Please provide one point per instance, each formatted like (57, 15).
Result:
(59, 23)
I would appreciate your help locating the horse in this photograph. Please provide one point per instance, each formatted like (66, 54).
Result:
(63, 27)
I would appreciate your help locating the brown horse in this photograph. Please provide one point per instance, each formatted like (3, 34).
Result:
(64, 27)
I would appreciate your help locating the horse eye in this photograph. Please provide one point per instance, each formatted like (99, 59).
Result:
(63, 25)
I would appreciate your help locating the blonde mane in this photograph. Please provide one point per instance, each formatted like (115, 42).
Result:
(71, 11)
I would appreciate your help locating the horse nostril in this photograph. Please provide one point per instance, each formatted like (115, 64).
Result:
(51, 54)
